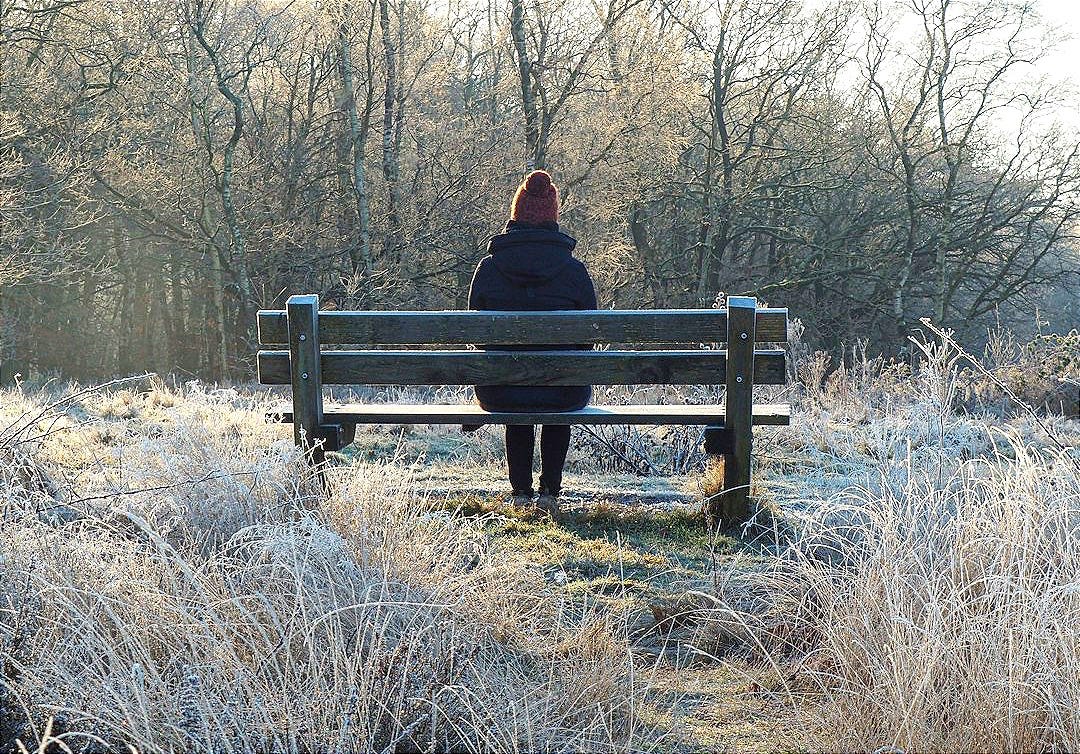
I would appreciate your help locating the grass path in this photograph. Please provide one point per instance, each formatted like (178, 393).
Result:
(638, 549)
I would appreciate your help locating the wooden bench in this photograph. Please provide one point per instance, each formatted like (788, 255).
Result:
(306, 366)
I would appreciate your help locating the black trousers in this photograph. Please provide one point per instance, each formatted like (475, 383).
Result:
(554, 443)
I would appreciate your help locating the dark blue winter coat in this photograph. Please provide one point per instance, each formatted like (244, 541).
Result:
(531, 268)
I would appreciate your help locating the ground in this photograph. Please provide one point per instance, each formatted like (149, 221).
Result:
(171, 569)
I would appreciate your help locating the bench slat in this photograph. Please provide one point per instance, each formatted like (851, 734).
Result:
(524, 328)
(407, 413)
(700, 367)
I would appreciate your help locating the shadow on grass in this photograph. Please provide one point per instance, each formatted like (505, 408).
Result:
(608, 551)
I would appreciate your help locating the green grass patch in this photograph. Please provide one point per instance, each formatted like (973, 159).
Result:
(608, 551)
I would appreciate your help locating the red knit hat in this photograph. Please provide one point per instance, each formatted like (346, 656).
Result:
(536, 200)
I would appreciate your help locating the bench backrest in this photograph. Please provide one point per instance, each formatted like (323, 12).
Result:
(306, 330)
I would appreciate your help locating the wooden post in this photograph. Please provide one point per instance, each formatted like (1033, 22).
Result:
(733, 506)
(306, 373)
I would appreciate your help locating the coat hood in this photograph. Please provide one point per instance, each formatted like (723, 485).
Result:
(531, 254)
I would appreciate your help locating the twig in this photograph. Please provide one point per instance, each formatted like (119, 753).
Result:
(649, 464)
(171, 486)
(7, 433)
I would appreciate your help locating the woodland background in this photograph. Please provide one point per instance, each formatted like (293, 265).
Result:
(167, 168)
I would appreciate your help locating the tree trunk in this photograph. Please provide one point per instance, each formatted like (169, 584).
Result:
(360, 243)
(236, 261)
(904, 273)
(219, 335)
(179, 345)
(715, 232)
(650, 265)
(533, 158)
(392, 102)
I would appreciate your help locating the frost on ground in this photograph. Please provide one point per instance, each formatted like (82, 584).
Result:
(940, 611)
(172, 577)
(170, 580)
(928, 597)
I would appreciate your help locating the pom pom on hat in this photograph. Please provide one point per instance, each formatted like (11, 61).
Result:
(536, 200)
(538, 182)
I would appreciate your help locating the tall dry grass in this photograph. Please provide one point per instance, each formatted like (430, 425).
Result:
(196, 592)
(933, 601)
(945, 613)
(171, 577)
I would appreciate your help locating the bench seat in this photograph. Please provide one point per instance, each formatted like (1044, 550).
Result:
(470, 413)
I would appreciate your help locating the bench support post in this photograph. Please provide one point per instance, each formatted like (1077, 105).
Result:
(732, 507)
(306, 373)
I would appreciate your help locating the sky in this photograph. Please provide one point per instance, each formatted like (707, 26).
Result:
(1064, 62)
(1064, 13)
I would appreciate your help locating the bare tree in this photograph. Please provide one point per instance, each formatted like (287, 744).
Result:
(558, 51)
(765, 56)
(359, 128)
(974, 236)
(166, 168)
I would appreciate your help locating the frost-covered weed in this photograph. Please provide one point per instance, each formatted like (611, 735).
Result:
(946, 609)
(205, 594)
(930, 591)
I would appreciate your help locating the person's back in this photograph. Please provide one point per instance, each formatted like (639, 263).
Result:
(530, 267)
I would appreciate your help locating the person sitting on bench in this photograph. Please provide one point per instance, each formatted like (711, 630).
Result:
(530, 267)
